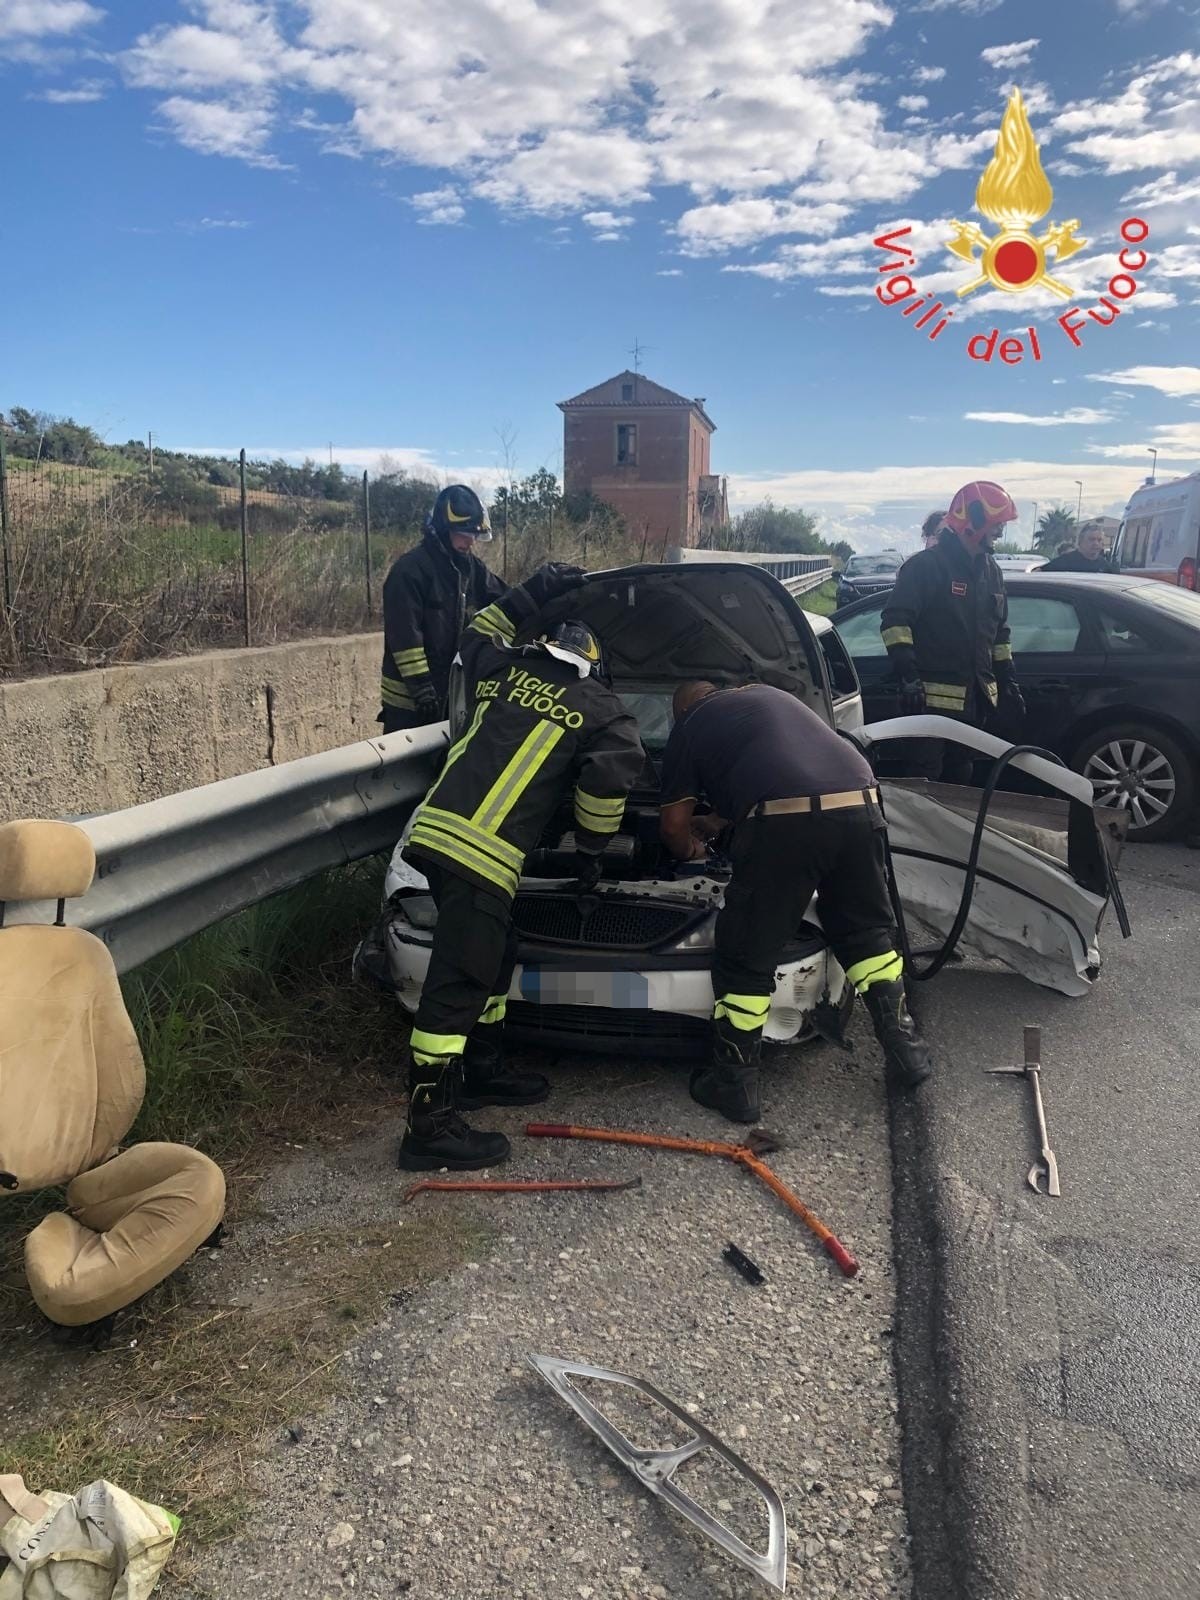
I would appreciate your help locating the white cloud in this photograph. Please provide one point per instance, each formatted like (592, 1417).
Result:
(971, 8)
(669, 272)
(83, 94)
(34, 19)
(211, 224)
(709, 230)
(1174, 441)
(1173, 381)
(928, 74)
(912, 102)
(1005, 57)
(607, 223)
(1167, 190)
(1072, 416)
(883, 506)
(414, 459)
(435, 206)
(215, 128)
(1153, 122)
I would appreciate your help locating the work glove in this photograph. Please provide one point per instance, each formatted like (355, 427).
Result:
(912, 697)
(587, 871)
(426, 702)
(1012, 700)
(552, 579)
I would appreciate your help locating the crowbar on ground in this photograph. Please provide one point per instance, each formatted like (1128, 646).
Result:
(758, 1142)
(1047, 1167)
(518, 1186)
(656, 1469)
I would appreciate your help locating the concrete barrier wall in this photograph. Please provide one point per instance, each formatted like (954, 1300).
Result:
(99, 741)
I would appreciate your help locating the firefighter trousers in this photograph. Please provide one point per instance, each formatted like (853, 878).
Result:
(779, 862)
(941, 760)
(470, 967)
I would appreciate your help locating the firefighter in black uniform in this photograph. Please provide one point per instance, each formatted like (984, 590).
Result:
(945, 626)
(429, 596)
(542, 721)
(806, 818)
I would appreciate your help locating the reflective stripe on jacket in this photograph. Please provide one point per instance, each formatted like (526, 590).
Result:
(537, 732)
(946, 623)
(429, 596)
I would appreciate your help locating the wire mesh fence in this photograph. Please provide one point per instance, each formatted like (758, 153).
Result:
(102, 567)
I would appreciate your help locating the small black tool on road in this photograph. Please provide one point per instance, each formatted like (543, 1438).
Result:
(741, 1262)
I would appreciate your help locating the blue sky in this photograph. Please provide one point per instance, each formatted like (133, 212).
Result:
(410, 226)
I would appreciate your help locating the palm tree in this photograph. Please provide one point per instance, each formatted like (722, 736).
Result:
(1055, 527)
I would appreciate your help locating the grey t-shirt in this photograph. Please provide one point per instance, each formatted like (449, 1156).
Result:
(739, 747)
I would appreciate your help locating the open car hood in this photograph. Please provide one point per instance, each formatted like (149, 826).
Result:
(724, 621)
(1043, 883)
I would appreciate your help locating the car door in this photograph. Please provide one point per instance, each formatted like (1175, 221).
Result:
(1058, 657)
(859, 632)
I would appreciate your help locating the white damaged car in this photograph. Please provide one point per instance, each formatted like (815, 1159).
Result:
(626, 968)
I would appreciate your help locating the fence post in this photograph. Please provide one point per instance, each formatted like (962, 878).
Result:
(504, 537)
(367, 538)
(245, 549)
(4, 521)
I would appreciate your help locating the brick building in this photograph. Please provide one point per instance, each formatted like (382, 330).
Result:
(644, 450)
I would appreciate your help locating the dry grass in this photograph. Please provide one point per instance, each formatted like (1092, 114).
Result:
(255, 1042)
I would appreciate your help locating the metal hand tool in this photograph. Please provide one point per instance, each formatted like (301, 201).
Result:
(1047, 1167)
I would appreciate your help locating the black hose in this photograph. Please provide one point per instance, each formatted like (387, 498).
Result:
(942, 953)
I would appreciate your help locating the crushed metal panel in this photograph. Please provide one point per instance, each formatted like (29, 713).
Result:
(655, 1469)
(1027, 911)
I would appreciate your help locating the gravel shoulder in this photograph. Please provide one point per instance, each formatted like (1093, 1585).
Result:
(447, 1467)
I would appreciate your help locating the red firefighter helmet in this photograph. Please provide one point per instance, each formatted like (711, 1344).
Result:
(980, 507)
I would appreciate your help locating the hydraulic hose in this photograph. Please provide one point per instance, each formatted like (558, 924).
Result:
(942, 953)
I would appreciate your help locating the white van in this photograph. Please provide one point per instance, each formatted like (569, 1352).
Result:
(1160, 533)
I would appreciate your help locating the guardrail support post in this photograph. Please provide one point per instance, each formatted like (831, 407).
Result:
(367, 538)
(245, 550)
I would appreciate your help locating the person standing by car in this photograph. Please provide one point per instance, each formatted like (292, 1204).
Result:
(806, 818)
(429, 596)
(945, 627)
(1087, 555)
(930, 528)
(545, 725)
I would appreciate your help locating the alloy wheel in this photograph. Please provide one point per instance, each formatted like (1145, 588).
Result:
(1132, 775)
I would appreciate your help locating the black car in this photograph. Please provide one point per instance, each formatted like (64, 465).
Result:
(1110, 671)
(863, 576)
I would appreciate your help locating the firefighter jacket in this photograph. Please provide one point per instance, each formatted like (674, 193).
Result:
(536, 728)
(429, 596)
(946, 623)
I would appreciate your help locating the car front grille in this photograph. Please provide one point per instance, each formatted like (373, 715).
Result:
(594, 1027)
(600, 922)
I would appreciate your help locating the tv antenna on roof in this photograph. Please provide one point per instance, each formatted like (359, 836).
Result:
(638, 351)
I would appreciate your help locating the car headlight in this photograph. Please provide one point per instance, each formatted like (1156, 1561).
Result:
(700, 937)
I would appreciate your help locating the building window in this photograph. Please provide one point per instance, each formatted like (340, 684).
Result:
(627, 444)
(626, 391)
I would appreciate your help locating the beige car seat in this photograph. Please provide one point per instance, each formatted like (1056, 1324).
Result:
(71, 1084)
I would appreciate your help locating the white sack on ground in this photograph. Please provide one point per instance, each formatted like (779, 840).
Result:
(99, 1544)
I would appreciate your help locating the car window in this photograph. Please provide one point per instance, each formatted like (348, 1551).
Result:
(860, 634)
(653, 714)
(1121, 637)
(872, 566)
(1182, 604)
(842, 676)
(1040, 625)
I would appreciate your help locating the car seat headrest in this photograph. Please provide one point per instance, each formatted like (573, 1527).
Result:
(45, 861)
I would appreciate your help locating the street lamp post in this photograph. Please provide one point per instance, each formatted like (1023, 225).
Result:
(1150, 450)
(1033, 535)
(1079, 501)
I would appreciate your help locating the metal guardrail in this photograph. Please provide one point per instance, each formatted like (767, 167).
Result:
(797, 573)
(170, 867)
(810, 580)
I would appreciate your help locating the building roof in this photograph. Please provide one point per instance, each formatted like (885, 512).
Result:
(647, 392)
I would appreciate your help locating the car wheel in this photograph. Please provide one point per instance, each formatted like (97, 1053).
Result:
(1144, 772)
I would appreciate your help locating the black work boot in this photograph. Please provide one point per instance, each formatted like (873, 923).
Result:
(488, 1080)
(729, 1083)
(905, 1053)
(436, 1136)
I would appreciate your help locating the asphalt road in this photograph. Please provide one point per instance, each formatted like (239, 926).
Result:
(1049, 1349)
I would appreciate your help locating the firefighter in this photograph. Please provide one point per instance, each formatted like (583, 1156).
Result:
(429, 596)
(806, 817)
(543, 724)
(945, 626)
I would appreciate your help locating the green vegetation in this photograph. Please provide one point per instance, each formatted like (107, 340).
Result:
(777, 530)
(255, 1042)
(1056, 526)
(822, 601)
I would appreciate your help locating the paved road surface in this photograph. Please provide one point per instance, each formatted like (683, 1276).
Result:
(458, 1470)
(1050, 1349)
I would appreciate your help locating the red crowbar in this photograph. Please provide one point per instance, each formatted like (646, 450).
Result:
(747, 1155)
